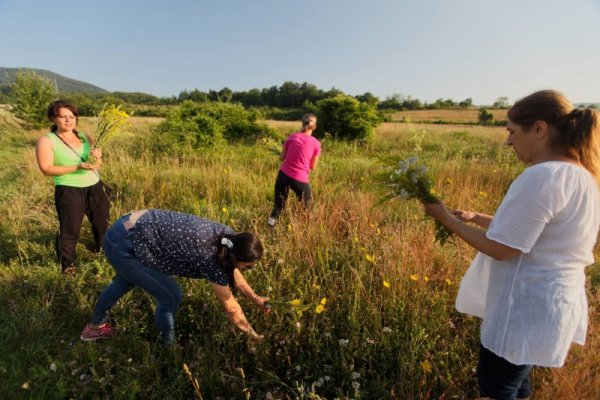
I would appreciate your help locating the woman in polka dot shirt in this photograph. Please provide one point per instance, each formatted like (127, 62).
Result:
(147, 247)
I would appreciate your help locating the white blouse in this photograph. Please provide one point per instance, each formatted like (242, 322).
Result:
(534, 305)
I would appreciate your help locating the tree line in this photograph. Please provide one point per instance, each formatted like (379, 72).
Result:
(289, 95)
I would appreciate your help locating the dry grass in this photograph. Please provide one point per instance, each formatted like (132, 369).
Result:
(455, 116)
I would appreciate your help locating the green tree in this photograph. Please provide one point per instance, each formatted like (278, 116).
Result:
(225, 95)
(344, 117)
(368, 98)
(485, 117)
(501, 102)
(466, 103)
(31, 93)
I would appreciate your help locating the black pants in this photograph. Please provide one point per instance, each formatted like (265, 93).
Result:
(283, 184)
(72, 203)
(500, 379)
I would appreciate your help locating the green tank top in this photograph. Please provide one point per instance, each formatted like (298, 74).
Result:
(64, 156)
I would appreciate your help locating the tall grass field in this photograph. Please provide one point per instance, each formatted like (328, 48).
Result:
(362, 296)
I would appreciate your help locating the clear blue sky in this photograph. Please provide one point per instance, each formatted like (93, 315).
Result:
(428, 49)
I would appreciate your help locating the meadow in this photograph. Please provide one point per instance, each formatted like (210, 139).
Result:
(448, 116)
(362, 297)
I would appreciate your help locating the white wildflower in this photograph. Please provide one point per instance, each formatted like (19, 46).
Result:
(386, 329)
(414, 176)
(53, 367)
(355, 385)
(355, 375)
(343, 342)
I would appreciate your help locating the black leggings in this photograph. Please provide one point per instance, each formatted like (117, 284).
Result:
(283, 184)
(72, 203)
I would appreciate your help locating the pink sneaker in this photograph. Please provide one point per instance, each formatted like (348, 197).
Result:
(90, 333)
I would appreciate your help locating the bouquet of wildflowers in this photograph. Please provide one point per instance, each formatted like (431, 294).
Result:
(110, 120)
(409, 179)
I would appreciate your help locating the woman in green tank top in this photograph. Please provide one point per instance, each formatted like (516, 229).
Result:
(64, 154)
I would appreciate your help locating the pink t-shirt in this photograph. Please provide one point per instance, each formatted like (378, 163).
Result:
(300, 150)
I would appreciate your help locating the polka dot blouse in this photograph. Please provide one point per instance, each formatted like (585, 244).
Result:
(179, 244)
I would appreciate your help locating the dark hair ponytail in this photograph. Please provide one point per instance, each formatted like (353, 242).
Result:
(243, 246)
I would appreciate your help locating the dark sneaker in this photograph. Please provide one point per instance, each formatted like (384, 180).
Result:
(103, 331)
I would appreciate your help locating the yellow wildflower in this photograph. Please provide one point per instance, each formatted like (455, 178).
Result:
(414, 277)
(296, 302)
(289, 227)
(225, 210)
(110, 120)
(426, 278)
(448, 281)
(370, 258)
(320, 308)
(482, 193)
(426, 366)
(323, 301)
(386, 284)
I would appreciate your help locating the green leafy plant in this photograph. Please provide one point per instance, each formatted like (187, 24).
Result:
(344, 117)
(31, 94)
(194, 126)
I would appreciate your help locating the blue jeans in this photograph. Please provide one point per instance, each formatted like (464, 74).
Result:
(501, 380)
(130, 272)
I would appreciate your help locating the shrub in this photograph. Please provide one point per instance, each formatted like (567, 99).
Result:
(193, 126)
(344, 117)
(485, 117)
(31, 95)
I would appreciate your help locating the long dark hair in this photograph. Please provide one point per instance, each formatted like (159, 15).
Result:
(52, 112)
(246, 247)
(575, 132)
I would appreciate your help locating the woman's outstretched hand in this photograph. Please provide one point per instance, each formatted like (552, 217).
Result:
(464, 216)
(437, 211)
(263, 304)
(255, 336)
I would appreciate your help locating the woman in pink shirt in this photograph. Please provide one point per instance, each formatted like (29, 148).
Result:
(299, 155)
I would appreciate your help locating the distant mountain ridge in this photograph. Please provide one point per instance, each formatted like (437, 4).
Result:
(62, 83)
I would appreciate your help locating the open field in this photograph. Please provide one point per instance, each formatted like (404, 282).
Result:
(449, 116)
(405, 341)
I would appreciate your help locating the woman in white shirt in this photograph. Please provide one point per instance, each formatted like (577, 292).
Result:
(527, 282)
